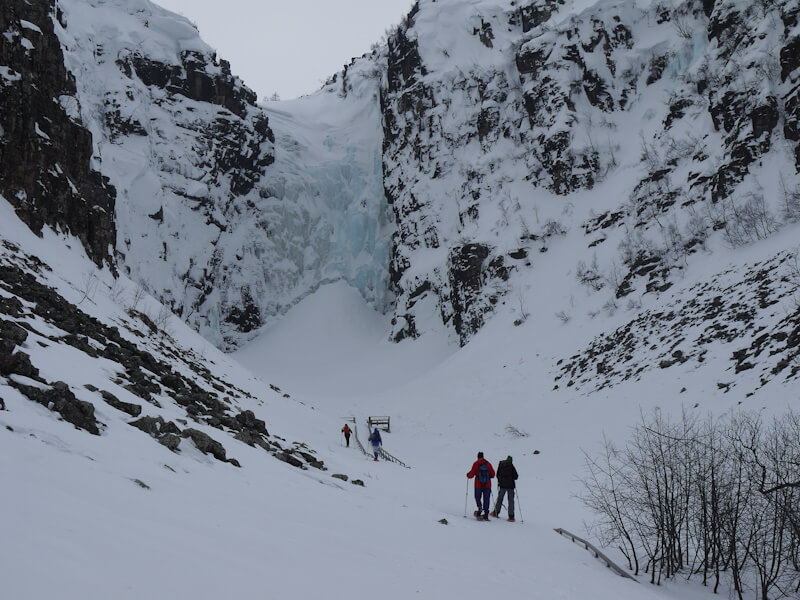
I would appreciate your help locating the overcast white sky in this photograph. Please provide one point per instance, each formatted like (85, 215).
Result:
(289, 46)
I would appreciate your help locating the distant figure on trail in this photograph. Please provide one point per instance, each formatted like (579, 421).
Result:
(483, 473)
(506, 477)
(346, 432)
(375, 438)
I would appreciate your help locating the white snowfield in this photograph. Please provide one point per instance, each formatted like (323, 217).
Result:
(120, 516)
(75, 524)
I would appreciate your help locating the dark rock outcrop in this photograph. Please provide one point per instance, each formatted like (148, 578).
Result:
(133, 410)
(206, 443)
(45, 153)
(59, 398)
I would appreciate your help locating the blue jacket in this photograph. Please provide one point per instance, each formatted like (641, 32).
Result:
(375, 438)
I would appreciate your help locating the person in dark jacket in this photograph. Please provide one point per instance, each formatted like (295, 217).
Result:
(375, 438)
(506, 484)
(483, 472)
(346, 432)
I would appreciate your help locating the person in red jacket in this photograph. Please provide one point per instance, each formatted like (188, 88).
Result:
(483, 473)
(346, 432)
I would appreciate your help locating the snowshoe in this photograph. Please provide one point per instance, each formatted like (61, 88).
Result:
(494, 514)
(510, 519)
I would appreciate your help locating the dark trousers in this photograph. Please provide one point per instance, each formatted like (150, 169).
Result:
(483, 493)
(347, 439)
(500, 493)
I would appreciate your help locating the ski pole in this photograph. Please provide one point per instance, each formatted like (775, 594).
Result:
(519, 506)
(466, 496)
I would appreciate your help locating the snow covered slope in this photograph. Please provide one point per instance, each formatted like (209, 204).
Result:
(140, 464)
(123, 512)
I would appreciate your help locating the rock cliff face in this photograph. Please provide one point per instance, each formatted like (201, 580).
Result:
(187, 148)
(502, 124)
(46, 168)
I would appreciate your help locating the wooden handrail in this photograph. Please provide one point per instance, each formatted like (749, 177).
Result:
(380, 421)
(597, 554)
(386, 456)
(358, 441)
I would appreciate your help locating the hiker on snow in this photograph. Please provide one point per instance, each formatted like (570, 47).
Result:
(375, 438)
(506, 476)
(483, 473)
(346, 432)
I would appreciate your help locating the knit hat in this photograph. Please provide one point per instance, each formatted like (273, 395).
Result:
(508, 458)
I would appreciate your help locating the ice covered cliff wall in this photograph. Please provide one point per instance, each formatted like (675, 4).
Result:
(654, 128)
(215, 218)
(483, 145)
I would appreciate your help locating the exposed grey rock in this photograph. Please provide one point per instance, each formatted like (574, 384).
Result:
(312, 460)
(249, 421)
(133, 410)
(60, 399)
(289, 459)
(205, 443)
(251, 439)
(171, 441)
(18, 363)
(150, 425)
(11, 335)
(341, 476)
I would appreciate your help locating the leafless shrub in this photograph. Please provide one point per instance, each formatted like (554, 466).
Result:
(715, 499)
(682, 25)
(791, 202)
(792, 270)
(552, 227)
(792, 266)
(614, 276)
(138, 295)
(633, 244)
(515, 432)
(116, 291)
(650, 155)
(88, 288)
(590, 275)
(563, 316)
(697, 226)
(747, 220)
(523, 311)
(679, 148)
(162, 321)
